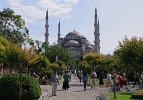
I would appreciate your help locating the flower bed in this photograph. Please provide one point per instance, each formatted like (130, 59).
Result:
(137, 95)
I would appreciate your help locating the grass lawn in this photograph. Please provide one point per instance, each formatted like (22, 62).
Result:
(120, 95)
(1, 76)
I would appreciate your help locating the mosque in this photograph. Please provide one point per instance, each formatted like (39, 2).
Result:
(74, 41)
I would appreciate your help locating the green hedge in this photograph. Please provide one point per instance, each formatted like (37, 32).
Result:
(137, 95)
(9, 87)
(47, 73)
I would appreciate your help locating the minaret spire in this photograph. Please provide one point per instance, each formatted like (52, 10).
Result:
(95, 15)
(96, 33)
(47, 27)
(59, 33)
(98, 26)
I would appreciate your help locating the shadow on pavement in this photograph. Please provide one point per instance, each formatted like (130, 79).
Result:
(76, 85)
(61, 90)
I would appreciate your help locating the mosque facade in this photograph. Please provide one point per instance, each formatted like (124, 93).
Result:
(75, 42)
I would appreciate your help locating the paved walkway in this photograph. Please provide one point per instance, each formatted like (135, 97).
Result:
(75, 92)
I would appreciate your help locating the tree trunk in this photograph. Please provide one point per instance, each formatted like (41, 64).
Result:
(20, 85)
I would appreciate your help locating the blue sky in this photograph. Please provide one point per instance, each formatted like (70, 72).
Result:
(118, 18)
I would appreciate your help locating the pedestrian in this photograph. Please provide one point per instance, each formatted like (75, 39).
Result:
(74, 72)
(54, 81)
(93, 77)
(125, 80)
(121, 80)
(85, 79)
(141, 80)
(101, 78)
(80, 76)
(66, 80)
(136, 80)
(69, 73)
(109, 80)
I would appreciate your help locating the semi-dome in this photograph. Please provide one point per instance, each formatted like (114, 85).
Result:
(89, 47)
(72, 42)
(74, 33)
(87, 42)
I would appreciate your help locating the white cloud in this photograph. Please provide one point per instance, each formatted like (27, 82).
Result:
(72, 1)
(36, 10)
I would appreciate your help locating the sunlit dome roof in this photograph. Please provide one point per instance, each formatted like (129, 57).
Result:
(74, 33)
(89, 47)
(72, 42)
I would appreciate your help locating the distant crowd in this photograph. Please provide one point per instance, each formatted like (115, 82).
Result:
(113, 79)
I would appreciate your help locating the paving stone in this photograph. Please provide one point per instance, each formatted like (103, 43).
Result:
(75, 92)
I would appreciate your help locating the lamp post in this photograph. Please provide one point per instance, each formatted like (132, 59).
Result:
(114, 82)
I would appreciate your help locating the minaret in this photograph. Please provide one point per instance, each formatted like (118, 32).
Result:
(96, 34)
(59, 34)
(47, 27)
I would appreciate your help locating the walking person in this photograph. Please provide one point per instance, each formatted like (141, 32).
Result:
(109, 80)
(54, 82)
(136, 80)
(80, 76)
(93, 77)
(121, 81)
(85, 79)
(141, 80)
(66, 80)
(125, 81)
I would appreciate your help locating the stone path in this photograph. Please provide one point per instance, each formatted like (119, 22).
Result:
(75, 92)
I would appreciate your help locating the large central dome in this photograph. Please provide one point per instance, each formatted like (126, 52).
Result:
(74, 33)
(74, 41)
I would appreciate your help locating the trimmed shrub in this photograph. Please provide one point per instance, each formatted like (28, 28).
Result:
(137, 95)
(9, 87)
(47, 73)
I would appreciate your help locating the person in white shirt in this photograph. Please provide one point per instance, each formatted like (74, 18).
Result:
(109, 80)
(54, 82)
(93, 77)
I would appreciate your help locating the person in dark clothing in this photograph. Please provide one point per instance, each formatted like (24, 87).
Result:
(66, 80)
(80, 76)
(101, 78)
(136, 80)
(85, 79)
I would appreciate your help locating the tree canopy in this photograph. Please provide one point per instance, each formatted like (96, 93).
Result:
(57, 52)
(12, 27)
(129, 53)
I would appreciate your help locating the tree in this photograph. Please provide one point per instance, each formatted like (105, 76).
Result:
(54, 66)
(130, 53)
(12, 27)
(31, 58)
(92, 59)
(72, 61)
(54, 51)
(13, 56)
(42, 63)
(84, 66)
(3, 43)
(61, 65)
